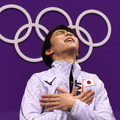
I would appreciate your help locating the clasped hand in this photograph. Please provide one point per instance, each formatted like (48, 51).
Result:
(65, 100)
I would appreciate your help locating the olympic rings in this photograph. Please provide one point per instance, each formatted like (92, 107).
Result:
(38, 26)
(28, 18)
(16, 42)
(47, 10)
(105, 18)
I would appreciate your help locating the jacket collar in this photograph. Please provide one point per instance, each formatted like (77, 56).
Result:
(64, 68)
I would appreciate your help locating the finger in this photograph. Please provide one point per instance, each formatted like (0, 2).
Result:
(89, 99)
(83, 94)
(88, 96)
(89, 102)
(50, 95)
(52, 108)
(50, 104)
(61, 90)
(74, 91)
(48, 100)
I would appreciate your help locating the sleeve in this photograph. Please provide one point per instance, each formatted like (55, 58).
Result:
(102, 109)
(30, 105)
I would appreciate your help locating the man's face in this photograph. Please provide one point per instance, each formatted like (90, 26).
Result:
(62, 41)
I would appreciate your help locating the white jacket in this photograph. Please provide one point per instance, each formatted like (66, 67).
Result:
(58, 76)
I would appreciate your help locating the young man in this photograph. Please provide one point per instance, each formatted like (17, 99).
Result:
(64, 92)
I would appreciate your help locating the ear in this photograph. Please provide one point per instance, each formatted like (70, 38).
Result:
(49, 52)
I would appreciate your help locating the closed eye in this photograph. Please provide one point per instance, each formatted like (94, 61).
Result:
(59, 32)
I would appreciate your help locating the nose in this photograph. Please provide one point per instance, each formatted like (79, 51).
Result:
(68, 34)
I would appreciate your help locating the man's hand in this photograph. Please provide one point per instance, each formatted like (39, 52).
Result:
(65, 100)
(86, 96)
(62, 101)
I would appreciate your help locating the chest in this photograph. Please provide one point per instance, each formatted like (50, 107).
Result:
(63, 82)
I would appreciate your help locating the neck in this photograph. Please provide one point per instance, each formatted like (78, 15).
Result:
(67, 58)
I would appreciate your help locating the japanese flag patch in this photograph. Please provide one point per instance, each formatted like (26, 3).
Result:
(88, 82)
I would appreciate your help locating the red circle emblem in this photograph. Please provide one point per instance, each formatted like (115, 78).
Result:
(88, 82)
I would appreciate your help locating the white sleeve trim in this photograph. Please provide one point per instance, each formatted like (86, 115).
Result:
(73, 107)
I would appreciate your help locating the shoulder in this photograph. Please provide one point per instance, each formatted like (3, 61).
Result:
(86, 74)
(45, 74)
(39, 77)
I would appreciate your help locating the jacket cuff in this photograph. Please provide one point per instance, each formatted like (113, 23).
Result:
(73, 107)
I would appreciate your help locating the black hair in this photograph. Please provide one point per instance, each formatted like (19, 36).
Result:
(47, 43)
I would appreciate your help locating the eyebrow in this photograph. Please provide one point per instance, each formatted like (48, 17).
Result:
(59, 31)
(62, 30)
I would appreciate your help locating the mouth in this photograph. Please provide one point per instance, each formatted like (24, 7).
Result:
(69, 40)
